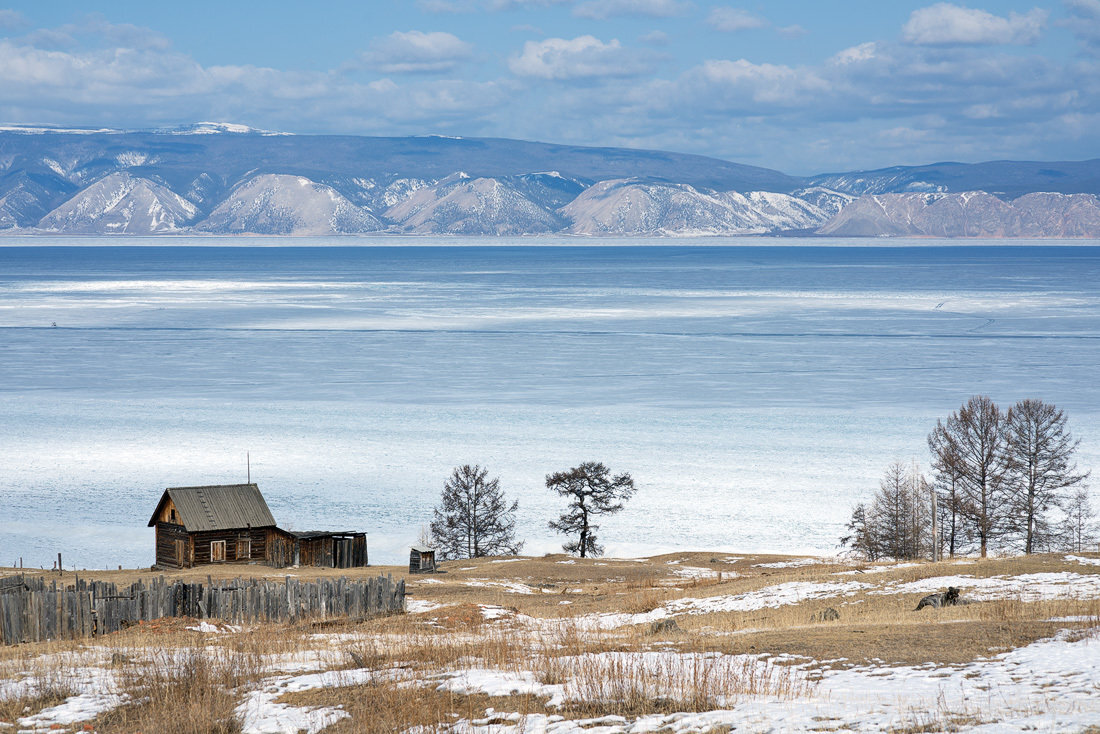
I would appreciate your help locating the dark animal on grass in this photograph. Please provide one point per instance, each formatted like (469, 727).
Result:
(826, 615)
(947, 598)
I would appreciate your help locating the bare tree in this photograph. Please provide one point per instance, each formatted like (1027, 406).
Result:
(945, 468)
(591, 491)
(473, 519)
(972, 441)
(1081, 529)
(1039, 451)
(898, 522)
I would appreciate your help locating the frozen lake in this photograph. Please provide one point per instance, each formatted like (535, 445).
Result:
(754, 392)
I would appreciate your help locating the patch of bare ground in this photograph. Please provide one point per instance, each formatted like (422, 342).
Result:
(386, 707)
(901, 644)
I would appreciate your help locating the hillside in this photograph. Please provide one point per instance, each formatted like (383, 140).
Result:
(686, 642)
(228, 180)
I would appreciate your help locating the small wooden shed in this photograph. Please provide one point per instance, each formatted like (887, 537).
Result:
(331, 549)
(421, 560)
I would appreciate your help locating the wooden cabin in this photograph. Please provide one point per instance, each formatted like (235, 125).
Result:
(231, 523)
(421, 560)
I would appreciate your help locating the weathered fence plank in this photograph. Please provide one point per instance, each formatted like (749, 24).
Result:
(31, 612)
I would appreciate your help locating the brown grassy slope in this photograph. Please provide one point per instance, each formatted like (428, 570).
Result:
(872, 627)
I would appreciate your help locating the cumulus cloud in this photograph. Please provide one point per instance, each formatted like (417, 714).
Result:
(855, 54)
(471, 6)
(734, 19)
(143, 87)
(444, 6)
(742, 84)
(880, 102)
(513, 4)
(656, 38)
(603, 9)
(578, 58)
(417, 52)
(792, 31)
(10, 19)
(1084, 21)
(944, 24)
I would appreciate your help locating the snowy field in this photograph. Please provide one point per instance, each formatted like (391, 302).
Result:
(755, 393)
(556, 664)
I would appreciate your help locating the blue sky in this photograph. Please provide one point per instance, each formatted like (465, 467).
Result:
(805, 87)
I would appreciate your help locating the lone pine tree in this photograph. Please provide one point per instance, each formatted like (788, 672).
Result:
(591, 491)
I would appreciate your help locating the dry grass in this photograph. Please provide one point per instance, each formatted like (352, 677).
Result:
(51, 681)
(430, 649)
(383, 708)
(182, 681)
(192, 690)
(632, 685)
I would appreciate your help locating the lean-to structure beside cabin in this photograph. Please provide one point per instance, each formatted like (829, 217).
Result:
(231, 523)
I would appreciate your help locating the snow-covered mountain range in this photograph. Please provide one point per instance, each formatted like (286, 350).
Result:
(221, 178)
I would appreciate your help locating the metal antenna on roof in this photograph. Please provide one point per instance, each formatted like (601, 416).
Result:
(248, 466)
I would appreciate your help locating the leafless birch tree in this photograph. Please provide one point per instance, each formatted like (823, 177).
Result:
(946, 473)
(1081, 531)
(972, 442)
(1039, 452)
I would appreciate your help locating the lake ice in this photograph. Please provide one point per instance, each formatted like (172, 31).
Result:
(754, 392)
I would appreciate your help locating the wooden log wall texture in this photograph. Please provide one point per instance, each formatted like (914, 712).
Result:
(33, 611)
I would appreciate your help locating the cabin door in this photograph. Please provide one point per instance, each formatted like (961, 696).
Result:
(181, 553)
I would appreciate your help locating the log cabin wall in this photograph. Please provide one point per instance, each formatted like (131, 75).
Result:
(170, 539)
(359, 551)
(279, 551)
(256, 537)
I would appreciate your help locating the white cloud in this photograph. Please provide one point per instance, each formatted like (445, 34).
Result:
(792, 31)
(602, 9)
(578, 58)
(121, 87)
(944, 24)
(417, 52)
(855, 54)
(519, 4)
(1084, 21)
(977, 102)
(11, 19)
(734, 19)
(657, 38)
(741, 83)
(443, 6)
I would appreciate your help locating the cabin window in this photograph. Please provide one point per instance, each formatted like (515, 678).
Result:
(173, 516)
(217, 551)
(244, 549)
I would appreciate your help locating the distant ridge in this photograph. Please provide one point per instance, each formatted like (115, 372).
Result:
(225, 178)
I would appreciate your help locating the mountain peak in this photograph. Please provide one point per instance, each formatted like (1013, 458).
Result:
(215, 128)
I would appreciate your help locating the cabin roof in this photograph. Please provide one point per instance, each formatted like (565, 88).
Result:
(313, 534)
(217, 507)
(423, 549)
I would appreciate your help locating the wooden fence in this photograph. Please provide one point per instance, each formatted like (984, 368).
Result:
(32, 610)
